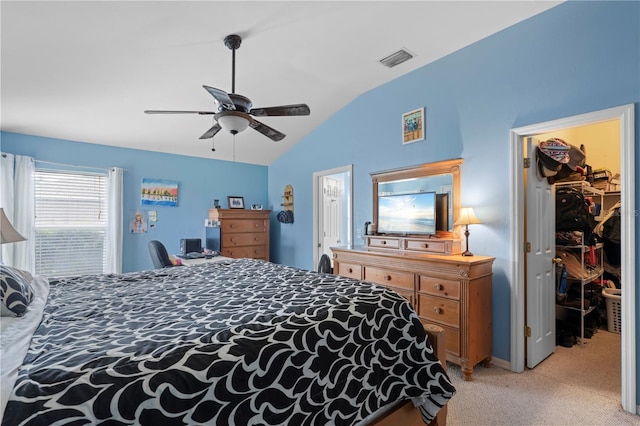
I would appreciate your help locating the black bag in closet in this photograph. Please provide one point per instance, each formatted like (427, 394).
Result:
(611, 238)
(572, 213)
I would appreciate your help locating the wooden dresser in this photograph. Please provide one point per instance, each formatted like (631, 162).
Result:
(451, 291)
(243, 233)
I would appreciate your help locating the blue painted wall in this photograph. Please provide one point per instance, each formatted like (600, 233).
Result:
(200, 181)
(575, 58)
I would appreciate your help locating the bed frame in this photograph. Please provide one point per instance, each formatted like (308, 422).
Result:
(405, 413)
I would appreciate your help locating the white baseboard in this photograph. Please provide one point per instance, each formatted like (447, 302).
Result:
(505, 365)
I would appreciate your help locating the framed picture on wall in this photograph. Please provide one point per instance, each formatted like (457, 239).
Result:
(158, 192)
(236, 202)
(413, 126)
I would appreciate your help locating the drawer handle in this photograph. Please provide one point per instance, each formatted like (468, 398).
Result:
(387, 277)
(255, 225)
(232, 225)
(437, 310)
(425, 245)
(438, 286)
(383, 242)
(350, 270)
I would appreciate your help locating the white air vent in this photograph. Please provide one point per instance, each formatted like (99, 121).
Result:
(396, 58)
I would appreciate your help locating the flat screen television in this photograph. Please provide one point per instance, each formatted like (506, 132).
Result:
(407, 213)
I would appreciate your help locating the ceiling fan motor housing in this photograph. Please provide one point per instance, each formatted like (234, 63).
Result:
(242, 103)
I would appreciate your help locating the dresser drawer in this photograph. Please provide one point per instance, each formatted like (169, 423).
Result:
(407, 295)
(243, 225)
(349, 270)
(254, 252)
(452, 338)
(243, 239)
(391, 243)
(437, 247)
(438, 309)
(439, 287)
(389, 277)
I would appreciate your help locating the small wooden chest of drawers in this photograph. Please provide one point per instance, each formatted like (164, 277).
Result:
(453, 292)
(243, 233)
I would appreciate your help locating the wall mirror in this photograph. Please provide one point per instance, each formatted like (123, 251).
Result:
(421, 200)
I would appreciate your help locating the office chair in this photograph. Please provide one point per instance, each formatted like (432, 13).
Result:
(325, 264)
(159, 255)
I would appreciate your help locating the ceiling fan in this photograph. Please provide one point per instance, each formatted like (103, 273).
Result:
(235, 112)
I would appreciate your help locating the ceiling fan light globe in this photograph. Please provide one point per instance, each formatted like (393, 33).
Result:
(233, 124)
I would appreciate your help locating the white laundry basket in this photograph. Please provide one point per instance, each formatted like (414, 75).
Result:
(614, 308)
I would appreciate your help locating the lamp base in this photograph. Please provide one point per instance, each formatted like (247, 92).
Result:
(466, 237)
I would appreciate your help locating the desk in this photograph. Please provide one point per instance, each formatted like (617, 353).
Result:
(193, 262)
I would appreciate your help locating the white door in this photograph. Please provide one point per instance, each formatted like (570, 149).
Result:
(540, 269)
(332, 210)
(331, 214)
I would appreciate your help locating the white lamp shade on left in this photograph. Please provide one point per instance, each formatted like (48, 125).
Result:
(8, 233)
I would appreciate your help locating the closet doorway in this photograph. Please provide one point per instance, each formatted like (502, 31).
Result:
(624, 116)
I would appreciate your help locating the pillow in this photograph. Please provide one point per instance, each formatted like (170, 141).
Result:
(15, 291)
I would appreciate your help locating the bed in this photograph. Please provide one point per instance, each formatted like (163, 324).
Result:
(233, 342)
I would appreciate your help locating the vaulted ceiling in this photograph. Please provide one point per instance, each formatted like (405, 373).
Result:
(86, 70)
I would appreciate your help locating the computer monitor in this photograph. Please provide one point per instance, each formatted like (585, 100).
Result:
(190, 245)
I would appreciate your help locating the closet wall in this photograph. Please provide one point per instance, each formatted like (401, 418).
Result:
(602, 145)
(601, 141)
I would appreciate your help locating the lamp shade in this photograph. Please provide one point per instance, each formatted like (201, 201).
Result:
(233, 123)
(467, 217)
(8, 233)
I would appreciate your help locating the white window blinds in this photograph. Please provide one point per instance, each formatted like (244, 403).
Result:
(71, 223)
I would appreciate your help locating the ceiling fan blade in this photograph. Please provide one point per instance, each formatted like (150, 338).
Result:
(211, 132)
(222, 98)
(284, 110)
(155, 111)
(269, 132)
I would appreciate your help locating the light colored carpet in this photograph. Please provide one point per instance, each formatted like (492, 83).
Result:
(574, 386)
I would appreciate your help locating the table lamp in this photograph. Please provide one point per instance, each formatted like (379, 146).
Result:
(466, 218)
(8, 233)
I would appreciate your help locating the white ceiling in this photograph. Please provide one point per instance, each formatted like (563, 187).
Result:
(86, 70)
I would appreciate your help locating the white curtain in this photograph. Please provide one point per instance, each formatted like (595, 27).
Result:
(114, 238)
(24, 213)
(17, 199)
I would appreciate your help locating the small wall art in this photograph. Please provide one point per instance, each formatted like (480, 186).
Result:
(413, 126)
(156, 192)
(138, 223)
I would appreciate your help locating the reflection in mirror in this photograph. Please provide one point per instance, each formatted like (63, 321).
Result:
(442, 178)
(441, 185)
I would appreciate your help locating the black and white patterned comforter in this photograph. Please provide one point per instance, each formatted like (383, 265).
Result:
(238, 342)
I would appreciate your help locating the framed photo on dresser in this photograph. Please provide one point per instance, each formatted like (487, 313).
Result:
(236, 202)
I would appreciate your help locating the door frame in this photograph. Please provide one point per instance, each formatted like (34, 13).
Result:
(317, 206)
(625, 114)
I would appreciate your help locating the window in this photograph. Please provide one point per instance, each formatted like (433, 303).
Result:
(71, 223)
